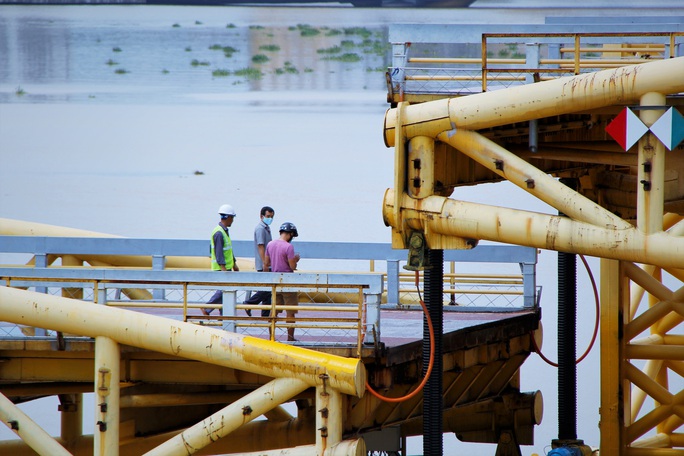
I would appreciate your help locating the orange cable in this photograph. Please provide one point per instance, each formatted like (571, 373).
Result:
(430, 363)
(596, 322)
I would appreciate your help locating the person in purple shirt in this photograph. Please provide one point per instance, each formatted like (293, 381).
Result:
(281, 257)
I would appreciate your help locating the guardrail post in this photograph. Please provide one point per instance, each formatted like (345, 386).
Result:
(399, 63)
(393, 282)
(372, 323)
(158, 264)
(101, 291)
(529, 285)
(229, 309)
(41, 261)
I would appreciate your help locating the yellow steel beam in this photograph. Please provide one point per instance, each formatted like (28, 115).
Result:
(617, 86)
(223, 422)
(32, 434)
(182, 339)
(448, 217)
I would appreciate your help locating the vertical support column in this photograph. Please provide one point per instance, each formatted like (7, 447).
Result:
(651, 171)
(567, 344)
(612, 410)
(328, 418)
(229, 309)
(532, 58)
(41, 261)
(421, 167)
(393, 282)
(529, 273)
(399, 57)
(432, 395)
(159, 264)
(372, 323)
(71, 408)
(107, 374)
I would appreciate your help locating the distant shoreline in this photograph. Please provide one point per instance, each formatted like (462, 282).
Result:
(366, 3)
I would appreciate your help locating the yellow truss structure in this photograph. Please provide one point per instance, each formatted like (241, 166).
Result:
(449, 142)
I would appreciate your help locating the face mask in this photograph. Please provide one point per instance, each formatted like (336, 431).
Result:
(267, 221)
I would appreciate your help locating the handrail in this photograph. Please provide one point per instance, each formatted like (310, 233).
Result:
(545, 56)
(315, 321)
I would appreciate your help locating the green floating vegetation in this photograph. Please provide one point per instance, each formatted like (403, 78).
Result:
(176, 25)
(20, 92)
(249, 73)
(307, 30)
(121, 71)
(331, 50)
(269, 47)
(347, 57)
(188, 49)
(220, 73)
(256, 27)
(196, 62)
(333, 32)
(111, 62)
(228, 51)
(231, 25)
(377, 69)
(287, 69)
(165, 71)
(116, 49)
(347, 44)
(358, 31)
(376, 47)
(198, 22)
(260, 58)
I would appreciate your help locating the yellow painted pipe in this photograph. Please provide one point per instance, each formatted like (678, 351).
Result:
(583, 92)
(107, 393)
(32, 434)
(531, 179)
(182, 339)
(446, 217)
(10, 227)
(223, 422)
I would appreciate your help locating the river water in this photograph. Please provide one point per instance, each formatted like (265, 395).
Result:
(141, 121)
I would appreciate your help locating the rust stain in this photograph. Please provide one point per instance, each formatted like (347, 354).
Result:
(552, 233)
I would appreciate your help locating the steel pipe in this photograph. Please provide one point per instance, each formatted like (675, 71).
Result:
(32, 434)
(223, 422)
(187, 340)
(439, 216)
(583, 92)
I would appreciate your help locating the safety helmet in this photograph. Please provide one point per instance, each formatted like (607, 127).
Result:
(226, 210)
(289, 227)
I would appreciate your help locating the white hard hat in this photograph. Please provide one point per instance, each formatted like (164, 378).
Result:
(226, 209)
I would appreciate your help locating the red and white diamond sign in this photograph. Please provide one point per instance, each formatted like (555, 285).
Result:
(626, 128)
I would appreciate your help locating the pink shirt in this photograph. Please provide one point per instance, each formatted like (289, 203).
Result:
(280, 252)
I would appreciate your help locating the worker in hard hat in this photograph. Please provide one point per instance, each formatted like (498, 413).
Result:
(281, 257)
(222, 257)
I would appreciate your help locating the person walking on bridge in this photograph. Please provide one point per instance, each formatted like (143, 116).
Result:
(281, 257)
(262, 236)
(221, 249)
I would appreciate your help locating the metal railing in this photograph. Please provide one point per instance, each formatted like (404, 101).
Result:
(508, 59)
(350, 316)
(333, 309)
(159, 254)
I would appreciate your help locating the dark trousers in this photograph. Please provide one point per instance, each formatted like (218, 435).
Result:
(261, 297)
(216, 298)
